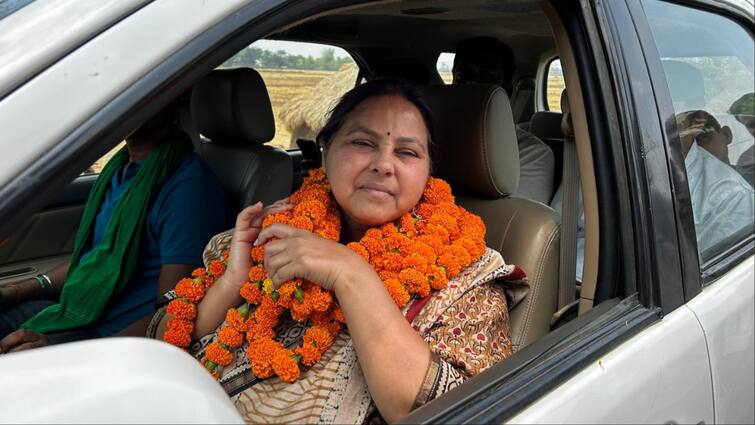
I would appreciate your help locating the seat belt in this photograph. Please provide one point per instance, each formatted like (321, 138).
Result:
(569, 213)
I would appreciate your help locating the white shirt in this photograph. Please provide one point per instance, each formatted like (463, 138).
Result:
(536, 164)
(723, 203)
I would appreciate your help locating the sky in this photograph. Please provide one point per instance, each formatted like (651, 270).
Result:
(297, 48)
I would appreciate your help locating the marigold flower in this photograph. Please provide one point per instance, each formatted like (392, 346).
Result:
(218, 355)
(267, 313)
(437, 191)
(181, 309)
(190, 290)
(406, 225)
(318, 335)
(256, 274)
(437, 278)
(251, 293)
(475, 248)
(359, 249)
(419, 262)
(329, 233)
(304, 223)
(438, 231)
(226, 255)
(177, 338)
(447, 222)
(285, 366)
(397, 242)
(309, 193)
(216, 268)
(260, 354)
(414, 281)
(281, 217)
(388, 229)
(454, 258)
(392, 261)
(337, 314)
(258, 253)
(286, 293)
(230, 337)
(301, 311)
(310, 208)
(375, 246)
(318, 299)
(387, 274)
(423, 210)
(180, 325)
(397, 292)
(256, 331)
(327, 320)
(235, 320)
(309, 354)
(199, 272)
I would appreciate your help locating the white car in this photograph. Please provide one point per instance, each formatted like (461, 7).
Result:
(661, 331)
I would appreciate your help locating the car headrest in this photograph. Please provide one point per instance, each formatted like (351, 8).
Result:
(566, 123)
(475, 138)
(231, 106)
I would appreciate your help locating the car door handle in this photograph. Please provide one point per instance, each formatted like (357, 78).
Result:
(17, 272)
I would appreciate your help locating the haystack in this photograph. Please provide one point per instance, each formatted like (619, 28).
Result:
(305, 114)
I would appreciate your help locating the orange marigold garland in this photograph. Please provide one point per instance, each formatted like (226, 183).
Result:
(416, 254)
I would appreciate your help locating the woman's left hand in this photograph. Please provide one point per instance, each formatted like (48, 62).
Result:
(303, 254)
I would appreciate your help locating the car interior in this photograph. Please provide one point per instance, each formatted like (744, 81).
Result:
(229, 116)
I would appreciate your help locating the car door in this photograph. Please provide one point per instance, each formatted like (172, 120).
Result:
(709, 65)
(37, 242)
(684, 48)
(46, 238)
(661, 374)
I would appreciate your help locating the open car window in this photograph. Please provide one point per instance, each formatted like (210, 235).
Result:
(304, 81)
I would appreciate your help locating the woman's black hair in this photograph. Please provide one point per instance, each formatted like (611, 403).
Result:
(373, 89)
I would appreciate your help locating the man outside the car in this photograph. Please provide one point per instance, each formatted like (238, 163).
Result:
(723, 203)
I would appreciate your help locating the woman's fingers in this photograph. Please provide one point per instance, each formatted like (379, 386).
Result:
(283, 274)
(245, 217)
(277, 230)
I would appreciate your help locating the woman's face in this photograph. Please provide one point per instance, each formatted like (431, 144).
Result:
(379, 161)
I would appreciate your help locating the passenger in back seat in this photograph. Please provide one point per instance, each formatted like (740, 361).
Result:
(484, 60)
(144, 225)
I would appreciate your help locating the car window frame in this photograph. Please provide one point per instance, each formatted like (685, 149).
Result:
(739, 250)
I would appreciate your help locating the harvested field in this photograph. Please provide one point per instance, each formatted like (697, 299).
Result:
(555, 87)
(284, 85)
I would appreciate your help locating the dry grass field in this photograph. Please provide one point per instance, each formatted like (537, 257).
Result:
(555, 87)
(284, 85)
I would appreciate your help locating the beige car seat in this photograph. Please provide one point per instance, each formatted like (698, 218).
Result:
(231, 109)
(478, 156)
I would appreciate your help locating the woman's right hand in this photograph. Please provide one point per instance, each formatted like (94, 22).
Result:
(248, 227)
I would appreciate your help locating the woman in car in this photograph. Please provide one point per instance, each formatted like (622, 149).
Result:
(380, 233)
